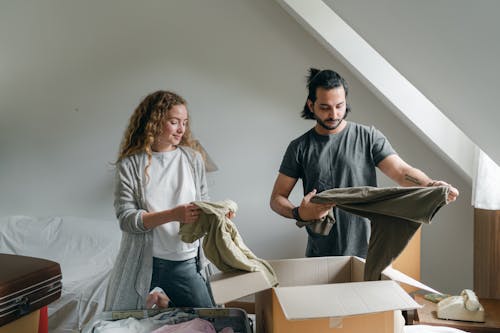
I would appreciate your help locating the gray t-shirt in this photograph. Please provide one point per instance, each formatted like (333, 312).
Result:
(344, 159)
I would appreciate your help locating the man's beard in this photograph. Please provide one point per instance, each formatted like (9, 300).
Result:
(330, 128)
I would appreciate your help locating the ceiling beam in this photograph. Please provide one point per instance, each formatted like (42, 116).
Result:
(394, 90)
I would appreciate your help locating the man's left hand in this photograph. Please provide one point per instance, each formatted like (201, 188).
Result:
(452, 193)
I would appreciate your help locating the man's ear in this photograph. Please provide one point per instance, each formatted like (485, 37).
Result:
(310, 104)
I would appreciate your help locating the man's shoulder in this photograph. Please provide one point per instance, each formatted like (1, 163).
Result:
(302, 138)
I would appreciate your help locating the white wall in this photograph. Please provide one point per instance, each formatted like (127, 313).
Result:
(448, 49)
(72, 72)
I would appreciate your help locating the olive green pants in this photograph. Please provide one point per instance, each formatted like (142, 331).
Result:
(395, 213)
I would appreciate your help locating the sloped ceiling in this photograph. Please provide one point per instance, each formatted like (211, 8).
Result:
(447, 49)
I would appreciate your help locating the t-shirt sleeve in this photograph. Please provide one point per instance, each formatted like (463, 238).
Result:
(290, 165)
(381, 147)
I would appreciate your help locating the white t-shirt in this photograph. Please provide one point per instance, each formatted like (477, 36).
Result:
(170, 184)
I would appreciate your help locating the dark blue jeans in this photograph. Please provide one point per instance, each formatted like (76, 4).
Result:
(182, 283)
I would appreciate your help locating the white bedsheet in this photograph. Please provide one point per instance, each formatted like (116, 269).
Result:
(85, 249)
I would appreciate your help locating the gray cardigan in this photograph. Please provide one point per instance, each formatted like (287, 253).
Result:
(130, 278)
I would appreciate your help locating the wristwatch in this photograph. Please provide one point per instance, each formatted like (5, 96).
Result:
(295, 214)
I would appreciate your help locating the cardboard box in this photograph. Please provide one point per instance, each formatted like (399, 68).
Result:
(321, 295)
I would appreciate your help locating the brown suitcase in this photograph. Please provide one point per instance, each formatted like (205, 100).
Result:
(26, 285)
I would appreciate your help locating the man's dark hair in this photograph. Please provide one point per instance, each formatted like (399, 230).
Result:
(326, 79)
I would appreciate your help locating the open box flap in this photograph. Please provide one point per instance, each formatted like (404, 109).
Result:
(301, 272)
(227, 287)
(396, 275)
(343, 299)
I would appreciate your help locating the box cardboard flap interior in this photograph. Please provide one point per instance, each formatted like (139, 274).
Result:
(334, 285)
(393, 274)
(357, 271)
(342, 299)
(229, 286)
(317, 270)
(233, 285)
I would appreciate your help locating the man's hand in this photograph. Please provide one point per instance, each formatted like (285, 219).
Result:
(452, 193)
(309, 211)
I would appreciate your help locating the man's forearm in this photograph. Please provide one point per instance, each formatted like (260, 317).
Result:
(415, 177)
(282, 206)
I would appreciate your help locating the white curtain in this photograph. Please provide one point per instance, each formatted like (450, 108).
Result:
(486, 182)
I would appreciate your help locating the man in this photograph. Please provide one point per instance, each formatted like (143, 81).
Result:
(336, 153)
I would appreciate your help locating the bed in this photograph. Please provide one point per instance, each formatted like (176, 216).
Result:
(85, 249)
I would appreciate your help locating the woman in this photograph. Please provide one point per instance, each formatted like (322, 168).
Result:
(159, 172)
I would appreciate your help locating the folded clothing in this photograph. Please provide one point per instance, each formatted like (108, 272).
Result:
(196, 325)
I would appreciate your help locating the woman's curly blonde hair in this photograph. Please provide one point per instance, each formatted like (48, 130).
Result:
(146, 124)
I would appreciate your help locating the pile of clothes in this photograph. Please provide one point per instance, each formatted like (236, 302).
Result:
(177, 321)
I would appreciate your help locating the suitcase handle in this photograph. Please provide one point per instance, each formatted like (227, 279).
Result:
(23, 306)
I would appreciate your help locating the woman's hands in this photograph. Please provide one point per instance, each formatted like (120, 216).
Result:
(189, 213)
(157, 299)
(186, 213)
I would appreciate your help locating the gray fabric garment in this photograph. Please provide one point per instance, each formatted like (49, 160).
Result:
(131, 276)
(344, 159)
(321, 226)
(395, 213)
(222, 242)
